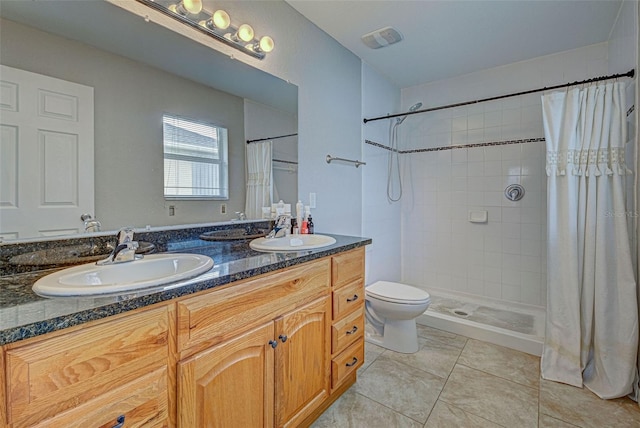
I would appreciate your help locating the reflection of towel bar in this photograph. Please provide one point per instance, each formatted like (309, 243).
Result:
(290, 170)
(357, 162)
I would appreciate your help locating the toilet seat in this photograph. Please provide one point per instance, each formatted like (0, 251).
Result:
(394, 292)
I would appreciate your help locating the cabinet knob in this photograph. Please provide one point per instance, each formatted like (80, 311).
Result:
(352, 363)
(273, 343)
(283, 338)
(119, 422)
(353, 330)
(353, 299)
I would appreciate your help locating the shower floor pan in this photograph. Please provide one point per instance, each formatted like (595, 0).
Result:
(513, 325)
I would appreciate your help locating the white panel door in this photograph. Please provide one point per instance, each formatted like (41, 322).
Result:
(46, 154)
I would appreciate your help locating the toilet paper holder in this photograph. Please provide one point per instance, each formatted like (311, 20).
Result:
(514, 192)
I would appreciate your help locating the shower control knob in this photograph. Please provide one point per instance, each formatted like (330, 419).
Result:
(514, 192)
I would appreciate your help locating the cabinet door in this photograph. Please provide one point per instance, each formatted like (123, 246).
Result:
(302, 365)
(229, 385)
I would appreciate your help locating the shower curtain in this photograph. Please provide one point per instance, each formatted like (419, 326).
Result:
(592, 312)
(258, 178)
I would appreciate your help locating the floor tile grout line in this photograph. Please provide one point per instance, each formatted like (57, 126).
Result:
(419, 369)
(471, 413)
(447, 379)
(414, 368)
(496, 376)
(490, 374)
(387, 407)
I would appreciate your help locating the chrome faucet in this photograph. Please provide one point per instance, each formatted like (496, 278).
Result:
(280, 228)
(90, 224)
(125, 250)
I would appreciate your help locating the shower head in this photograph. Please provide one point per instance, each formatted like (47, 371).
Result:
(413, 108)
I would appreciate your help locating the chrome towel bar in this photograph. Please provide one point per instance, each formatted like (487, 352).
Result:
(356, 162)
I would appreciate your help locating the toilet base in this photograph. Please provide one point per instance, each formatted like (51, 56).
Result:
(399, 336)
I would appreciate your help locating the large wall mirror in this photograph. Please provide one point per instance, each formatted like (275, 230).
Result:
(140, 71)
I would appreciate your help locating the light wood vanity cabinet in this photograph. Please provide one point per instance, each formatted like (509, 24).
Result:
(94, 376)
(275, 350)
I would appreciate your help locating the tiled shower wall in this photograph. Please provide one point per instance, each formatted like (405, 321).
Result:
(504, 258)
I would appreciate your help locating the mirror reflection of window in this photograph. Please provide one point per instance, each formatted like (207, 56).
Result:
(195, 159)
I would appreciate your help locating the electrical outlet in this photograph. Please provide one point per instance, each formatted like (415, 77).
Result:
(223, 209)
(172, 210)
(312, 200)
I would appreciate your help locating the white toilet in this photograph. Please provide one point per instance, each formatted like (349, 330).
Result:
(391, 309)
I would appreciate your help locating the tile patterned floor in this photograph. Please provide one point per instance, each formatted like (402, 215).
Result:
(457, 382)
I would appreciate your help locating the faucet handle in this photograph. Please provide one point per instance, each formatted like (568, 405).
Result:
(281, 219)
(125, 235)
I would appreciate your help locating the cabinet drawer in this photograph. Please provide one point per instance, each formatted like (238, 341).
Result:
(51, 376)
(347, 362)
(142, 403)
(347, 267)
(348, 299)
(221, 314)
(346, 331)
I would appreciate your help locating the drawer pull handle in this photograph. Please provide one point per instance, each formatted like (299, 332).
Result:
(352, 363)
(120, 422)
(273, 343)
(283, 338)
(353, 330)
(353, 299)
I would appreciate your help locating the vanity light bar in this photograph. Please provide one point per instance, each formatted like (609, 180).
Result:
(217, 25)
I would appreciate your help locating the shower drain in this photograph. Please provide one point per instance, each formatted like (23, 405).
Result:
(460, 313)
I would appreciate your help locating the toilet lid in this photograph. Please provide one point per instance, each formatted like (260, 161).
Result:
(395, 292)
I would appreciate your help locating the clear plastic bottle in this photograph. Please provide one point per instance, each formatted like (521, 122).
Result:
(299, 213)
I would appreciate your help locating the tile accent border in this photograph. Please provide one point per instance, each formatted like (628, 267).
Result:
(459, 146)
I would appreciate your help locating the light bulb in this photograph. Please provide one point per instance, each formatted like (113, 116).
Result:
(192, 6)
(266, 44)
(245, 33)
(187, 6)
(221, 19)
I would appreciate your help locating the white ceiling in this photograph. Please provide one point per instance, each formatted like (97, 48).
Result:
(450, 38)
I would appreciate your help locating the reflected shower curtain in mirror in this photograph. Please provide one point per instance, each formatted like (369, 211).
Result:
(592, 312)
(259, 178)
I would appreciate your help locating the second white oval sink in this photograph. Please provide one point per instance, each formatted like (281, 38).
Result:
(292, 243)
(152, 270)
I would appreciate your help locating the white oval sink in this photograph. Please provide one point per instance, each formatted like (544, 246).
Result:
(152, 270)
(292, 243)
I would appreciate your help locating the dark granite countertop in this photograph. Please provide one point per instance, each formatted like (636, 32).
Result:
(23, 314)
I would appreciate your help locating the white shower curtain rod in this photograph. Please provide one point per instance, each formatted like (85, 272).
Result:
(270, 138)
(630, 73)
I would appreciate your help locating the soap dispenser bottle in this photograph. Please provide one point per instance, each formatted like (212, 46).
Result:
(310, 225)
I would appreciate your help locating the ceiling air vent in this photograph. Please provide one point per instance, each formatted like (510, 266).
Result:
(383, 37)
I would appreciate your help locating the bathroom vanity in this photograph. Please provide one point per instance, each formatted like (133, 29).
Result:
(266, 340)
